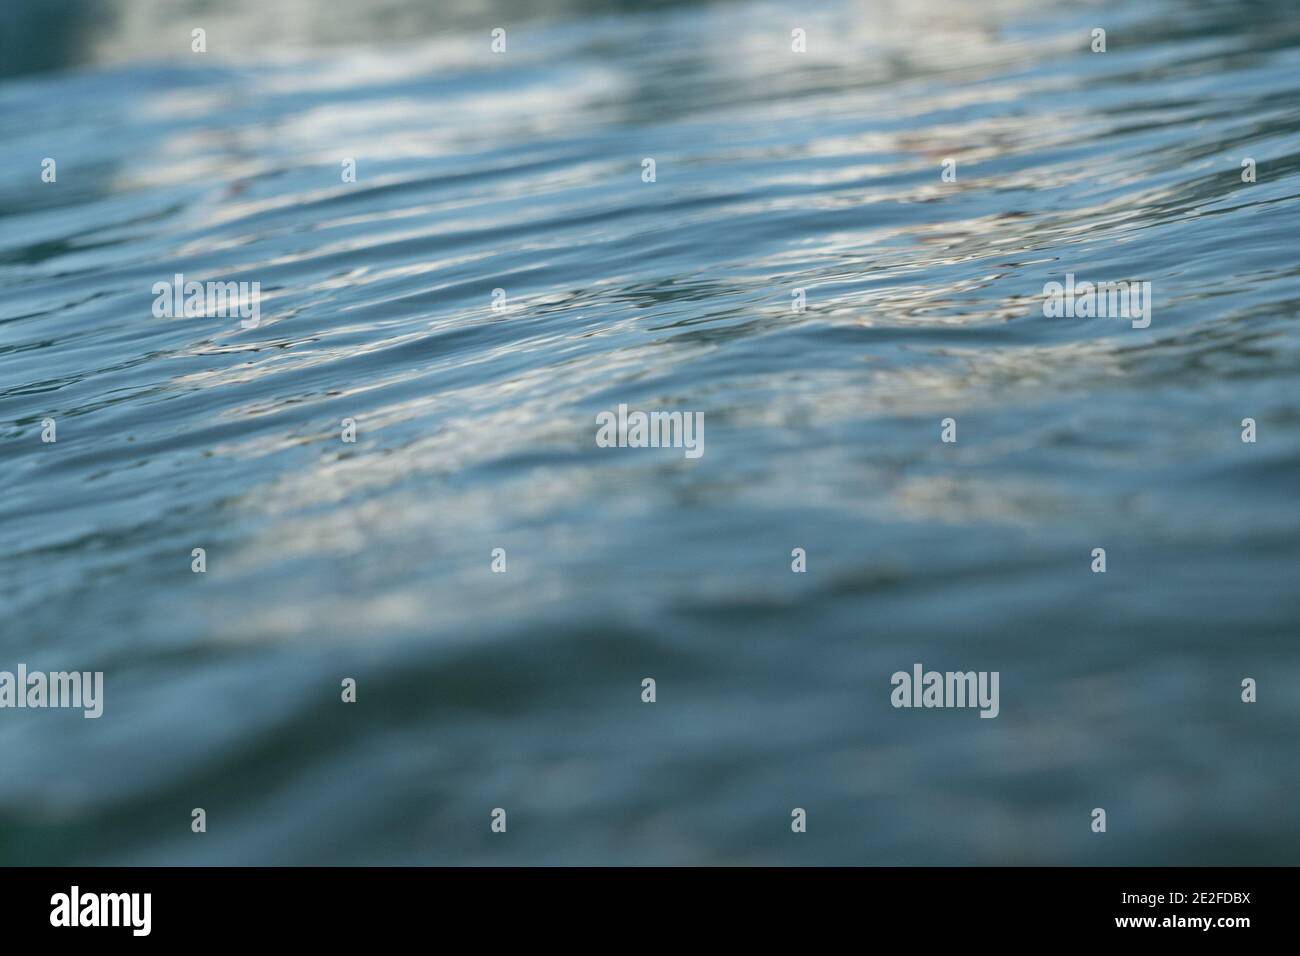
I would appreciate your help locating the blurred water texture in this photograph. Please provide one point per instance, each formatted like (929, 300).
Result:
(775, 171)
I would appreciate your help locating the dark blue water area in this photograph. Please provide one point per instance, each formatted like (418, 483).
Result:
(775, 171)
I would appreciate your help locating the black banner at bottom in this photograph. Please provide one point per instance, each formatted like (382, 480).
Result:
(338, 905)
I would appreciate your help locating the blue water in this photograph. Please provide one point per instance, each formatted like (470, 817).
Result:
(775, 171)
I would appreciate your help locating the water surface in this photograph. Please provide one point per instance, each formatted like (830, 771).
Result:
(776, 171)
